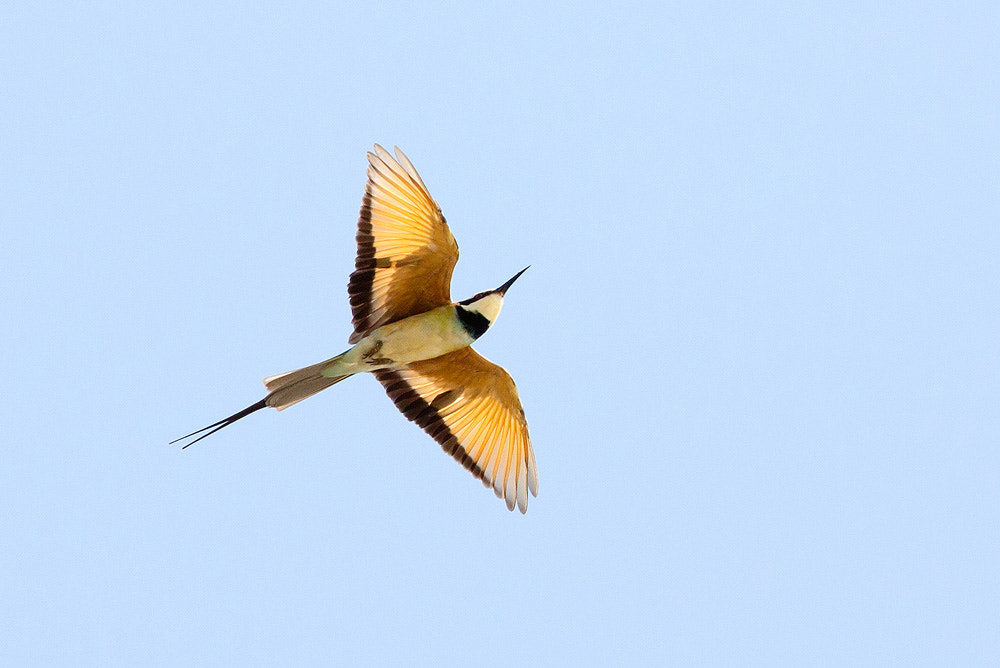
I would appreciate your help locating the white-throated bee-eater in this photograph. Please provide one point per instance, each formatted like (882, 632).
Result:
(416, 341)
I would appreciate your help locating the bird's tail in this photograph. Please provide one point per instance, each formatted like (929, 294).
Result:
(284, 390)
(291, 387)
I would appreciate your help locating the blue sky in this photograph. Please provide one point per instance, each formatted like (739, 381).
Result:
(757, 346)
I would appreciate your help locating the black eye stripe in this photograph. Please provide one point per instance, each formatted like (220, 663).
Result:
(479, 296)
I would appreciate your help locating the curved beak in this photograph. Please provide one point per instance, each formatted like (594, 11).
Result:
(503, 288)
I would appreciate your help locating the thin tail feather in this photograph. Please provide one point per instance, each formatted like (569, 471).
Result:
(222, 423)
(284, 390)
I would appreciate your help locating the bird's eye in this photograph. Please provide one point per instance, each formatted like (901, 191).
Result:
(474, 298)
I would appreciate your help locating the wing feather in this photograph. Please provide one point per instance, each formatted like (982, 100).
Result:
(471, 407)
(406, 253)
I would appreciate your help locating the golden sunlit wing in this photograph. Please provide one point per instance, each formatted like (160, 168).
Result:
(406, 253)
(470, 406)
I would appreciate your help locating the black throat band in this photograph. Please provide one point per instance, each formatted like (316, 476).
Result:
(474, 323)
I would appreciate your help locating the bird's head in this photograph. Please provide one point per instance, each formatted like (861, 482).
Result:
(482, 310)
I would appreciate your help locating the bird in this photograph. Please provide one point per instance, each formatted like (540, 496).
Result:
(416, 341)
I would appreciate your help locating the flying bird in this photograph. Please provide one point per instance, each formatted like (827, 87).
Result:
(417, 341)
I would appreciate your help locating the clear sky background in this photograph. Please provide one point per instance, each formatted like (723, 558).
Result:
(757, 347)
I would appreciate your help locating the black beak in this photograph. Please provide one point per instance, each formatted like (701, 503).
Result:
(503, 288)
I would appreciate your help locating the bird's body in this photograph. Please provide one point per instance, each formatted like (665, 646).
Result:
(418, 337)
(416, 341)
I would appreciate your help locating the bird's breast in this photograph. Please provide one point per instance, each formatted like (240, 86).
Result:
(419, 337)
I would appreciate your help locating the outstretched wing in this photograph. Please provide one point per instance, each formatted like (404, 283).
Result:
(470, 406)
(406, 252)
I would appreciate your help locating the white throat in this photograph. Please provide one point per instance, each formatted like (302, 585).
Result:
(489, 306)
